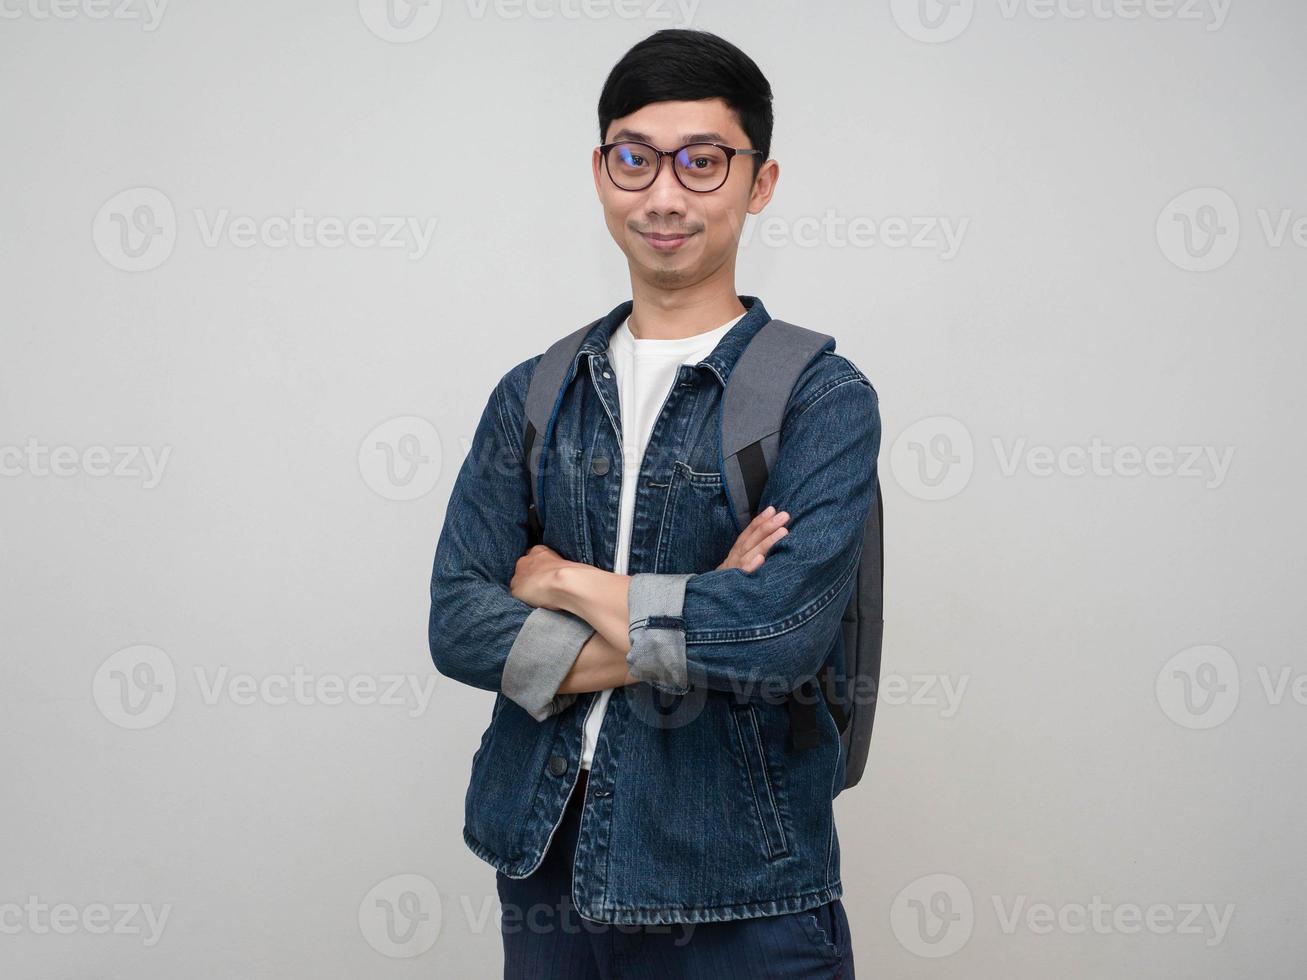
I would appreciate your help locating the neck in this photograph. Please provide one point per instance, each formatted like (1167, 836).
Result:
(660, 314)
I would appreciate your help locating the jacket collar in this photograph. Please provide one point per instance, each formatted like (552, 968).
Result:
(719, 360)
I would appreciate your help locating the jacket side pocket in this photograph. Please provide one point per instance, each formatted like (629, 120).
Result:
(759, 779)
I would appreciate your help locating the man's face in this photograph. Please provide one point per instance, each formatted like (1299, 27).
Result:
(705, 227)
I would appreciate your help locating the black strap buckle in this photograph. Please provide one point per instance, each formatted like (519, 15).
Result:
(803, 717)
(804, 733)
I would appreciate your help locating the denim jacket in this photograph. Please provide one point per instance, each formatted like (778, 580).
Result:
(697, 807)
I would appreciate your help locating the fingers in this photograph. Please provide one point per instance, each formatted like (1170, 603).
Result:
(753, 543)
(772, 538)
(756, 540)
(760, 527)
(754, 560)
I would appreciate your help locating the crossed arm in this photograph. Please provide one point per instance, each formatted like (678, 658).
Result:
(545, 579)
(521, 620)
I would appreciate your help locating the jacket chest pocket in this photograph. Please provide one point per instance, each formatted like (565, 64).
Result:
(697, 529)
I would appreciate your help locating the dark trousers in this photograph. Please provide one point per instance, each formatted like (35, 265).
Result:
(545, 937)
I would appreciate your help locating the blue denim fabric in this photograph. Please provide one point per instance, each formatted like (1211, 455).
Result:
(697, 808)
(545, 937)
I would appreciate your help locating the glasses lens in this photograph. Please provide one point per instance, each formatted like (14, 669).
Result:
(631, 165)
(702, 166)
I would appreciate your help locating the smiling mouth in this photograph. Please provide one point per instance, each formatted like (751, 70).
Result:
(666, 242)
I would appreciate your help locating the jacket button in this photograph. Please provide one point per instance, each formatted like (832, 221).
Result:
(557, 765)
(599, 465)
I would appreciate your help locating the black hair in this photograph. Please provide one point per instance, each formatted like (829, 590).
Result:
(677, 65)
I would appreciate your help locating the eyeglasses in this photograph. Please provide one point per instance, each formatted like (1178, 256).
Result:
(700, 167)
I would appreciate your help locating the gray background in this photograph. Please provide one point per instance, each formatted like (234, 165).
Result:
(1126, 642)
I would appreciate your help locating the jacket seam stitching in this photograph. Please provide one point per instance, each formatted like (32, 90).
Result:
(827, 388)
(513, 444)
(728, 905)
(787, 625)
(753, 789)
(766, 780)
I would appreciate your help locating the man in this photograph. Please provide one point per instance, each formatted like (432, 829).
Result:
(637, 790)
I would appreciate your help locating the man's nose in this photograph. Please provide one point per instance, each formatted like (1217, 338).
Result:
(666, 194)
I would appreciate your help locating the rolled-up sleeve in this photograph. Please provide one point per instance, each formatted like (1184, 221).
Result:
(731, 630)
(541, 655)
(657, 654)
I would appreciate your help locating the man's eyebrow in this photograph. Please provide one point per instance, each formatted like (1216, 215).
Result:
(631, 134)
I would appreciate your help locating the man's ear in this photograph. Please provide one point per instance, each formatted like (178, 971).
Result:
(597, 167)
(764, 186)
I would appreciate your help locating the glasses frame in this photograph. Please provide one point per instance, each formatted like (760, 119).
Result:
(730, 151)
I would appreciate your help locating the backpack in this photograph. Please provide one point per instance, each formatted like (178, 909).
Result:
(752, 410)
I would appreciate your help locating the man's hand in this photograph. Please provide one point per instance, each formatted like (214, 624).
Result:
(535, 579)
(543, 578)
(755, 541)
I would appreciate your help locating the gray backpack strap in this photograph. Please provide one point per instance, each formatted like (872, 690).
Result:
(753, 411)
(551, 376)
(753, 408)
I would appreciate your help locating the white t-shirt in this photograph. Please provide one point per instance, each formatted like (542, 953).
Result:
(645, 371)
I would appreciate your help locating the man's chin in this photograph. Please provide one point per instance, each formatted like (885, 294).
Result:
(669, 278)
